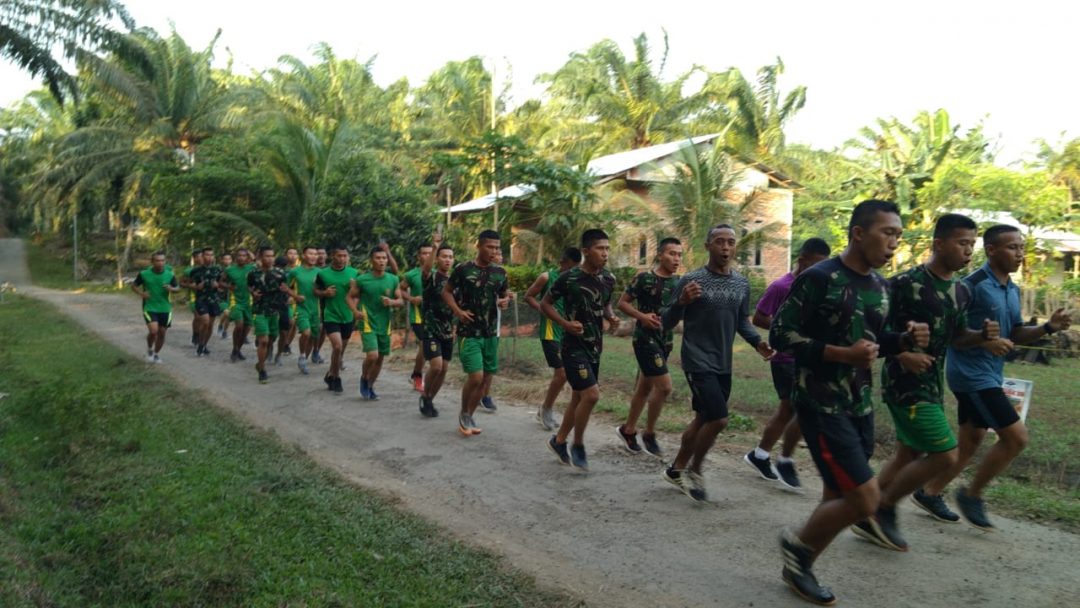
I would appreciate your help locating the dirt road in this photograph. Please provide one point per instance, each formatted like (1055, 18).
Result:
(619, 535)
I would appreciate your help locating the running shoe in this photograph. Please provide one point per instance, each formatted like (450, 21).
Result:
(221, 332)
(234, 357)
(673, 476)
(797, 573)
(150, 358)
(316, 358)
(337, 387)
(473, 428)
(158, 359)
(240, 356)
(418, 383)
(329, 382)
(371, 392)
(205, 351)
(761, 465)
(546, 418)
(693, 485)
(288, 351)
(887, 525)
(427, 407)
(628, 440)
(277, 360)
(301, 362)
(974, 510)
(364, 391)
(198, 350)
(559, 449)
(935, 506)
(263, 377)
(870, 530)
(487, 405)
(578, 459)
(652, 447)
(464, 426)
(785, 470)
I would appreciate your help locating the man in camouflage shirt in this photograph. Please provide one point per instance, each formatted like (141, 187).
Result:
(204, 280)
(270, 292)
(438, 328)
(472, 293)
(585, 292)
(833, 322)
(651, 291)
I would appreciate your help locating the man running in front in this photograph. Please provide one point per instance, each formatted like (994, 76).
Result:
(586, 294)
(833, 322)
(644, 300)
(472, 293)
(204, 280)
(438, 344)
(379, 292)
(154, 284)
(269, 292)
(336, 285)
(976, 375)
(713, 303)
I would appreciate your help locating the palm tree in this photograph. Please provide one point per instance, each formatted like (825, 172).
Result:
(1063, 164)
(31, 29)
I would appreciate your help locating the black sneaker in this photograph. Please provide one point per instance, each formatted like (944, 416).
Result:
(263, 377)
(577, 458)
(673, 476)
(870, 530)
(198, 350)
(935, 506)
(487, 405)
(974, 510)
(559, 449)
(233, 358)
(240, 356)
(693, 485)
(786, 472)
(205, 351)
(329, 382)
(797, 573)
(338, 388)
(427, 408)
(886, 523)
(762, 466)
(629, 440)
(651, 446)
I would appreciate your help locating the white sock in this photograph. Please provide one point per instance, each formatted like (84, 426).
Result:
(785, 460)
(760, 454)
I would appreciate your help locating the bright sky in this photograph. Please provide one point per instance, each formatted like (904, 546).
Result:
(1009, 64)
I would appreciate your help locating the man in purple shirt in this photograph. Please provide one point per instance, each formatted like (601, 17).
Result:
(783, 421)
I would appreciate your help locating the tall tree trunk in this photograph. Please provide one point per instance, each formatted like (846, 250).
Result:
(124, 259)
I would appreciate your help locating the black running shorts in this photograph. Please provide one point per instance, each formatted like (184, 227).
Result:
(345, 329)
(840, 445)
(651, 360)
(711, 393)
(783, 379)
(418, 331)
(986, 409)
(438, 348)
(581, 371)
(552, 353)
(163, 319)
(207, 308)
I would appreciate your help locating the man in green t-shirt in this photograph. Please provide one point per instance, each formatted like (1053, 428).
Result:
(413, 291)
(336, 285)
(308, 324)
(154, 285)
(551, 334)
(473, 293)
(379, 292)
(236, 280)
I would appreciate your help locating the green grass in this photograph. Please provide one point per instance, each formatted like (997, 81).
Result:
(120, 488)
(51, 267)
(1042, 484)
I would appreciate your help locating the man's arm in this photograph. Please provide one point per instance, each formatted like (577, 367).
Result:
(136, 286)
(534, 290)
(547, 306)
(1026, 334)
(448, 297)
(671, 314)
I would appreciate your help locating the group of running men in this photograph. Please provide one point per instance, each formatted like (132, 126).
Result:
(829, 319)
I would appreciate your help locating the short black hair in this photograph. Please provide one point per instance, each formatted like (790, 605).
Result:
(338, 247)
(990, 237)
(590, 236)
(815, 246)
(708, 235)
(374, 250)
(264, 248)
(196, 252)
(488, 235)
(572, 254)
(288, 248)
(665, 242)
(205, 249)
(424, 244)
(281, 261)
(157, 253)
(442, 247)
(239, 249)
(945, 225)
(864, 213)
(306, 247)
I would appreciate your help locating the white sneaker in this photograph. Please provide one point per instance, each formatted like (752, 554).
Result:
(157, 359)
(150, 358)
(301, 362)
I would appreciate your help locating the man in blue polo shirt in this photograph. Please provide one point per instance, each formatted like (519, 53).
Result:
(976, 375)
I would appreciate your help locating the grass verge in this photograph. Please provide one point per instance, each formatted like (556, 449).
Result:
(118, 487)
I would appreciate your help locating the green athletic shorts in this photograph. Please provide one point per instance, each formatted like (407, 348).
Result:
(923, 427)
(304, 322)
(240, 314)
(373, 341)
(266, 325)
(479, 354)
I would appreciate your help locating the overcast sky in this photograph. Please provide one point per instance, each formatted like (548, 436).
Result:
(1009, 64)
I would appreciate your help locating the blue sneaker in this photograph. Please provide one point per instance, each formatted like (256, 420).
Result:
(365, 391)
(974, 510)
(559, 449)
(488, 405)
(371, 392)
(578, 459)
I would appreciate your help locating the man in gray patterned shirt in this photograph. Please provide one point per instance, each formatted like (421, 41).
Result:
(713, 302)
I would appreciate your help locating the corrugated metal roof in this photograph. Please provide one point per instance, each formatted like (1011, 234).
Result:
(488, 201)
(620, 162)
